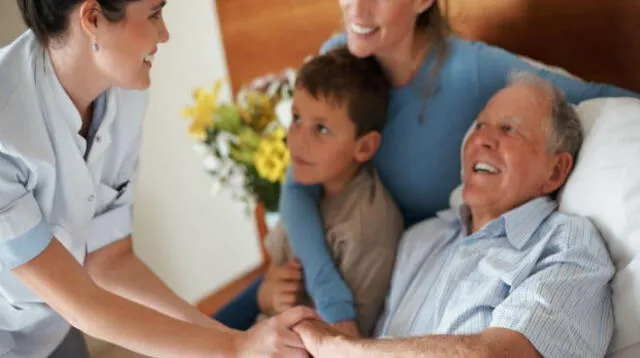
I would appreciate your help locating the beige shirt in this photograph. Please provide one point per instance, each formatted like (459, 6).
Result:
(363, 226)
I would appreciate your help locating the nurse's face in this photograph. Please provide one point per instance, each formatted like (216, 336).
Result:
(127, 47)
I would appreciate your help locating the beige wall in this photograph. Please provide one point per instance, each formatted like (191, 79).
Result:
(192, 240)
(11, 24)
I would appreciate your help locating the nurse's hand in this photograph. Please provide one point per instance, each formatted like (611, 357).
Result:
(274, 337)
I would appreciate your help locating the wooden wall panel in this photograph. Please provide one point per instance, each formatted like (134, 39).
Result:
(598, 40)
(262, 36)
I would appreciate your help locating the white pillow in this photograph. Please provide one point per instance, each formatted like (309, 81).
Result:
(605, 186)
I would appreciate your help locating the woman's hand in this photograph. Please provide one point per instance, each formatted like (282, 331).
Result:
(274, 337)
(281, 288)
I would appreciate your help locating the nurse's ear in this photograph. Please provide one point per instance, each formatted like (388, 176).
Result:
(90, 17)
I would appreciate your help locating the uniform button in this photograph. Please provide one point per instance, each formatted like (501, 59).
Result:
(91, 198)
(98, 139)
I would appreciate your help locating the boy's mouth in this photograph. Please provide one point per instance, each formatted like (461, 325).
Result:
(297, 160)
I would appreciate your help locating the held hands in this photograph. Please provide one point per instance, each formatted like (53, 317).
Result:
(274, 337)
(281, 288)
(317, 337)
(292, 333)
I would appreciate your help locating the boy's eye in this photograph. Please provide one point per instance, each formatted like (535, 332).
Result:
(295, 119)
(322, 129)
(479, 126)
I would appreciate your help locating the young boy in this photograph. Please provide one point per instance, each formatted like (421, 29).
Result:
(339, 111)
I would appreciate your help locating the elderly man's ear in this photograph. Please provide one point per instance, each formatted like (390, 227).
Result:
(559, 172)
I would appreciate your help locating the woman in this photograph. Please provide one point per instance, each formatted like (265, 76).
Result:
(72, 101)
(441, 83)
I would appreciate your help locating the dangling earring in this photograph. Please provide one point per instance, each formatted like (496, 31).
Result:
(95, 47)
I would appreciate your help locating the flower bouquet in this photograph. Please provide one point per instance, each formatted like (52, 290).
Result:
(243, 141)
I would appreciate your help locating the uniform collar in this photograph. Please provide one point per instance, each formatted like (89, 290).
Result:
(58, 102)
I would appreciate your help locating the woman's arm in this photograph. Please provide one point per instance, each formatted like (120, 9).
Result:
(299, 208)
(55, 276)
(494, 66)
(118, 270)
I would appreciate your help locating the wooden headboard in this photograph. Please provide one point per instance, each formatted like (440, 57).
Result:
(598, 40)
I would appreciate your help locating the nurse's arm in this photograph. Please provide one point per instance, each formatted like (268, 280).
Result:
(117, 269)
(59, 279)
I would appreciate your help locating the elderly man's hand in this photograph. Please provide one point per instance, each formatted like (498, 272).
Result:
(316, 335)
(274, 338)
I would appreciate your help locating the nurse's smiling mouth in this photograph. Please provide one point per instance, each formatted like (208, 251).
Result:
(148, 59)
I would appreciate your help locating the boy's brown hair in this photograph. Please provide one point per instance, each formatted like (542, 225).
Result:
(359, 84)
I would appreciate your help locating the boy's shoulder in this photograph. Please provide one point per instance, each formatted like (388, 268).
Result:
(365, 211)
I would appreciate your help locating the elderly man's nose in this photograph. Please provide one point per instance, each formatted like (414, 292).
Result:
(487, 141)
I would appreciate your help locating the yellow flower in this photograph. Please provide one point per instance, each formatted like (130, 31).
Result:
(259, 111)
(206, 105)
(272, 158)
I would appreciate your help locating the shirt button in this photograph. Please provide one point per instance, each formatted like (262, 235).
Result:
(98, 139)
(91, 198)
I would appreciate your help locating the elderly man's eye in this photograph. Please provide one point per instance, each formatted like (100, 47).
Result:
(480, 126)
(507, 128)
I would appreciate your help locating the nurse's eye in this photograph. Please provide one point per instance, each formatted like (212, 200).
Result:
(156, 15)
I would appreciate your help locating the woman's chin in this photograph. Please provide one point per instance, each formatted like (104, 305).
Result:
(359, 49)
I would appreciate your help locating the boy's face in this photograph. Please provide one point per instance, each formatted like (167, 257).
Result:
(322, 141)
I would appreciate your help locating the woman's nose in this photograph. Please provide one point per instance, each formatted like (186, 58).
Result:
(164, 33)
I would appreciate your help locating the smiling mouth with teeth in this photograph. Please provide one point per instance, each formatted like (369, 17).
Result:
(481, 167)
(362, 30)
(148, 59)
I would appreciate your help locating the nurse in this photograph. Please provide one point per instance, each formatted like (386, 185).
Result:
(72, 101)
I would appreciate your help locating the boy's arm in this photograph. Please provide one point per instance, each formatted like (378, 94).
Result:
(366, 266)
(365, 250)
(301, 218)
(283, 281)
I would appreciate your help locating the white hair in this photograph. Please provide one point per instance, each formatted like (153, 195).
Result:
(566, 131)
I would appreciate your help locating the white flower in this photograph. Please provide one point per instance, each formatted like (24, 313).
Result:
(235, 181)
(222, 143)
(211, 163)
(283, 112)
(290, 73)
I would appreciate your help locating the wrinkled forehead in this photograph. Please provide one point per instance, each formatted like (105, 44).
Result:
(522, 104)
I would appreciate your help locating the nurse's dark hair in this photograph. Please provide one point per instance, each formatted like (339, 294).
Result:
(49, 19)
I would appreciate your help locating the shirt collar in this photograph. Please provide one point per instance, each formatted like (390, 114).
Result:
(519, 224)
(58, 101)
(522, 222)
(56, 97)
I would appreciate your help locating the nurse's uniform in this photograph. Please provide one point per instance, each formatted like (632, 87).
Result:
(53, 182)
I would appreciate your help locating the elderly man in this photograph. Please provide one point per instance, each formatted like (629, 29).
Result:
(505, 275)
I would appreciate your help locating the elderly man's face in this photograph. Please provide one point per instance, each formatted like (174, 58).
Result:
(506, 159)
